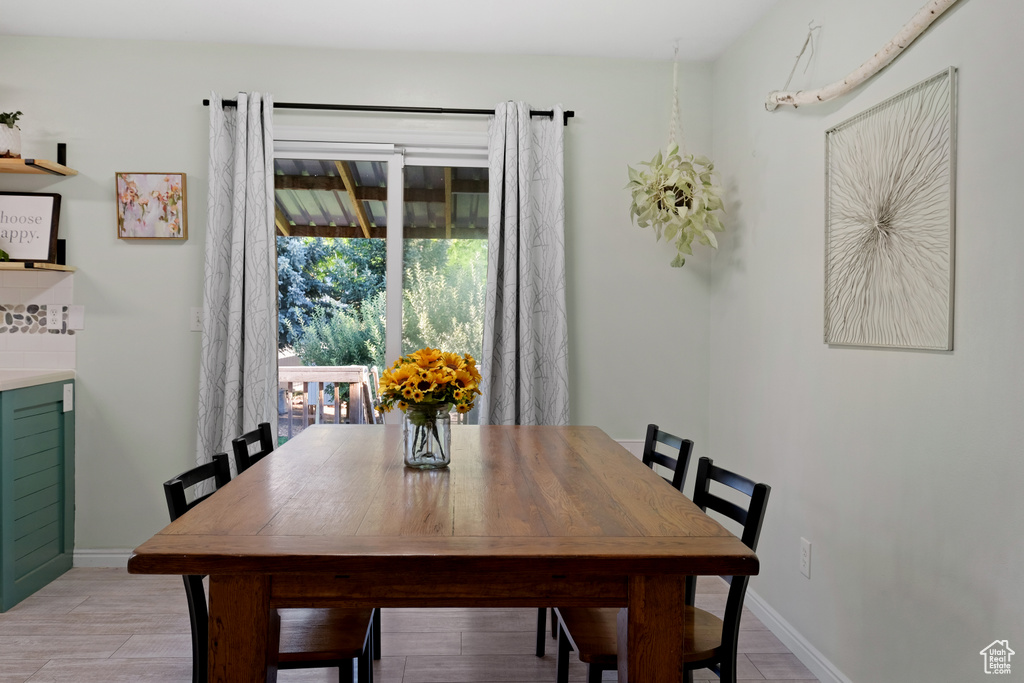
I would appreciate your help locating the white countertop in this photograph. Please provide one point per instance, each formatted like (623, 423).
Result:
(19, 379)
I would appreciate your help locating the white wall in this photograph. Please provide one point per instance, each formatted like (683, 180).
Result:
(903, 468)
(638, 328)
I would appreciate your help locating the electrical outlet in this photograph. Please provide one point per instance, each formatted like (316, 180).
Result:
(54, 317)
(805, 557)
(195, 318)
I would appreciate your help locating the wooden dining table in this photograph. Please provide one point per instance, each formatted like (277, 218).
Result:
(524, 516)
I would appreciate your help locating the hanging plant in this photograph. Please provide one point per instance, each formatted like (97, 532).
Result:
(677, 194)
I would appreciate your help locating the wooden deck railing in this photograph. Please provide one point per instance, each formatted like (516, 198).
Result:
(310, 380)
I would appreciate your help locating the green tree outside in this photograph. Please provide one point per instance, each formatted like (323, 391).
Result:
(331, 298)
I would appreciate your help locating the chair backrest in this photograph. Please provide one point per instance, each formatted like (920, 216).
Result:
(176, 489)
(751, 517)
(178, 503)
(669, 451)
(262, 436)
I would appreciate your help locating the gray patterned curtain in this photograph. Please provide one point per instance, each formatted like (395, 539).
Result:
(238, 364)
(524, 360)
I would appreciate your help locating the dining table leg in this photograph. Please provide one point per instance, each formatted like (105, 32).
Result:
(651, 630)
(241, 629)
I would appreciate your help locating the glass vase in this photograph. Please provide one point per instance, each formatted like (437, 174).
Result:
(427, 435)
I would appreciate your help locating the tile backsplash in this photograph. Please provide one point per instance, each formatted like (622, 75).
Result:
(26, 341)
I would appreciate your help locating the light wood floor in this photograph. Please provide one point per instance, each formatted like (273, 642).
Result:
(106, 625)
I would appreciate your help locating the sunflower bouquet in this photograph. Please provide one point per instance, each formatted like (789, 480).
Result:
(430, 377)
(424, 385)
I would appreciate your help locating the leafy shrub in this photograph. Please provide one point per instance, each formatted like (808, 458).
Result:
(333, 337)
(444, 309)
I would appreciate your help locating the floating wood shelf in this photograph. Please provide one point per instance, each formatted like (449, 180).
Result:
(22, 265)
(41, 166)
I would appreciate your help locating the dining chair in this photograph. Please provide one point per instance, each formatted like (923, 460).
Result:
(709, 642)
(660, 448)
(668, 451)
(262, 436)
(309, 638)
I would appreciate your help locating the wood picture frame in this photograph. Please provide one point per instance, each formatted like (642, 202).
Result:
(28, 225)
(151, 206)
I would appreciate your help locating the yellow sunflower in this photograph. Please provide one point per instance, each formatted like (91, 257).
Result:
(403, 372)
(453, 361)
(424, 382)
(426, 357)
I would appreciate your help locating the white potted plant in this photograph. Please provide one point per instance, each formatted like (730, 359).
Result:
(10, 136)
(677, 195)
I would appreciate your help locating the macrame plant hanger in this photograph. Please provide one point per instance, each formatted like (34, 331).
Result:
(674, 126)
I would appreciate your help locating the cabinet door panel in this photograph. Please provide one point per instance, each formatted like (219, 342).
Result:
(37, 490)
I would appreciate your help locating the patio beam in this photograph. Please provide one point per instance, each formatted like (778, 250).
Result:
(412, 194)
(378, 232)
(281, 221)
(350, 184)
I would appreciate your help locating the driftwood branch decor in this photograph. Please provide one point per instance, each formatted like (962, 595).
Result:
(924, 18)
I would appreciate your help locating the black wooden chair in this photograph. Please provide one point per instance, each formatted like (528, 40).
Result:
(660, 448)
(262, 436)
(668, 451)
(309, 638)
(710, 642)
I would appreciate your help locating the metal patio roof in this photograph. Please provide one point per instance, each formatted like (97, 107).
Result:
(328, 198)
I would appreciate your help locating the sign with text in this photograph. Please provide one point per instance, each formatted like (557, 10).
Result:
(28, 225)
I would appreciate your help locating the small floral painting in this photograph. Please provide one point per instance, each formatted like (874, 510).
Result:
(151, 206)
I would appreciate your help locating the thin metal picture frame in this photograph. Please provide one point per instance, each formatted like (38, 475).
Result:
(890, 212)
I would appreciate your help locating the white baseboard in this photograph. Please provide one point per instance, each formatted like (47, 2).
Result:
(108, 557)
(809, 655)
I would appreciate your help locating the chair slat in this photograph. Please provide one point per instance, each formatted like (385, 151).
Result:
(263, 436)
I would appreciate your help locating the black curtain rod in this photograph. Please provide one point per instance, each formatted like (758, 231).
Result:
(549, 113)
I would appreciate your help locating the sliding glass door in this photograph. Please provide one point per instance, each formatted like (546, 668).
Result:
(381, 250)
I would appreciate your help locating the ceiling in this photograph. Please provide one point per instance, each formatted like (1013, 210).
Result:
(643, 29)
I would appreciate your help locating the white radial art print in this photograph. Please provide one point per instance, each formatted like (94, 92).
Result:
(889, 215)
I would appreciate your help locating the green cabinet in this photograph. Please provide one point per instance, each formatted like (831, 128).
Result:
(37, 489)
